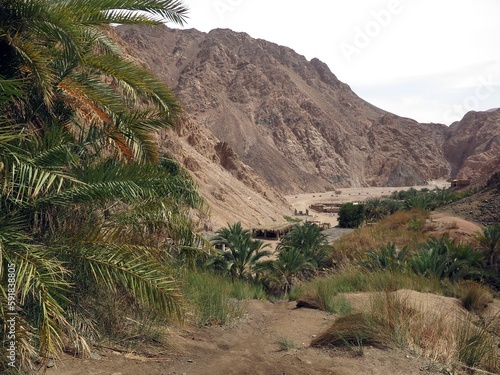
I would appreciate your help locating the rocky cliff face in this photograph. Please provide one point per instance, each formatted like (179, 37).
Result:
(289, 119)
(473, 146)
(273, 120)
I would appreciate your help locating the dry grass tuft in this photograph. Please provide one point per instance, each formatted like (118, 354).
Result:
(475, 297)
(394, 321)
(348, 330)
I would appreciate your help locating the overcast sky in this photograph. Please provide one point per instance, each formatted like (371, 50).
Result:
(430, 60)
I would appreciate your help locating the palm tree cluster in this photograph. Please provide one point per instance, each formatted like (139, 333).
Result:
(88, 204)
(443, 258)
(240, 253)
(300, 253)
(375, 209)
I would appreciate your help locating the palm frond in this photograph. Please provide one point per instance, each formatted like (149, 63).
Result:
(142, 275)
(128, 11)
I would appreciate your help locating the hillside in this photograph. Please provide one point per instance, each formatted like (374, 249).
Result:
(285, 125)
(483, 207)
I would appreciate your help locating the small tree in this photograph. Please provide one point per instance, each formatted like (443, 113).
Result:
(351, 215)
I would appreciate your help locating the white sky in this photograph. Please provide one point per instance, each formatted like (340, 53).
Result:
(431, 60)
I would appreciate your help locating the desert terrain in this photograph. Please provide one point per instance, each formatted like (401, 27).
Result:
(272, 338)
(269, 339)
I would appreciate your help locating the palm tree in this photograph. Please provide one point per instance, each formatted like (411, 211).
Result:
(444, 196)
(290, 263)
(52, 227)
(444, 258)
(77, 74)
(388, 258)
(242, 252)
(375, 209)
(77, 216)
(309, 240)
(489, 242)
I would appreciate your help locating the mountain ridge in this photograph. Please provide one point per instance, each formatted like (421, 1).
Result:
(294, 125)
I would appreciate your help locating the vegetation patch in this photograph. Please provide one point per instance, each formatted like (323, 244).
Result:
(214, 299)
(393, 321)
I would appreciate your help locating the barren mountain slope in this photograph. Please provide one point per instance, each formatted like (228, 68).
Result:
(473, 147)
(234, 192)
(289, 119)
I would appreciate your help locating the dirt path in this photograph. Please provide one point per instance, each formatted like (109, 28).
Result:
(250, 346)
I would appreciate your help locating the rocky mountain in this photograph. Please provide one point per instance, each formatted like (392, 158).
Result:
(271, 119)
(473, 146)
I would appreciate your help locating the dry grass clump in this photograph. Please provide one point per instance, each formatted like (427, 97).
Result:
(323, 296)
(351, 329)
(476, 348)
(353, 280)
(394, 321)
(475, 297)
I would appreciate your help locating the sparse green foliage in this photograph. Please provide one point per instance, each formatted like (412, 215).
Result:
(211, 299)
(285, 344)
(292, 219)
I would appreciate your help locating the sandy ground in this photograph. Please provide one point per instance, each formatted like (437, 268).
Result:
(251, 346)
(454, 226)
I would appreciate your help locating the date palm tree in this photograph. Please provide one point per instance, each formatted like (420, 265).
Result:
(488, 240)
(310, 241)
(77, 74)
(242, 252)
(85, 190)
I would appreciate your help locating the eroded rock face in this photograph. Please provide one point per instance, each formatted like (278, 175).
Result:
(473, 146)
(271, 118)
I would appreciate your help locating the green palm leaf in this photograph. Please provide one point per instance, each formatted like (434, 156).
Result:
(132, 267)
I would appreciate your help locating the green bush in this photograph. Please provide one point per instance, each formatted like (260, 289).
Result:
(351, 215)
(444, 258)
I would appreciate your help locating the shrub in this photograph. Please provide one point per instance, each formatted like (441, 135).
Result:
(475, 297)
(351, 215)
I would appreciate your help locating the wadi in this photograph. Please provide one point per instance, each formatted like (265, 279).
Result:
(182, 202)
